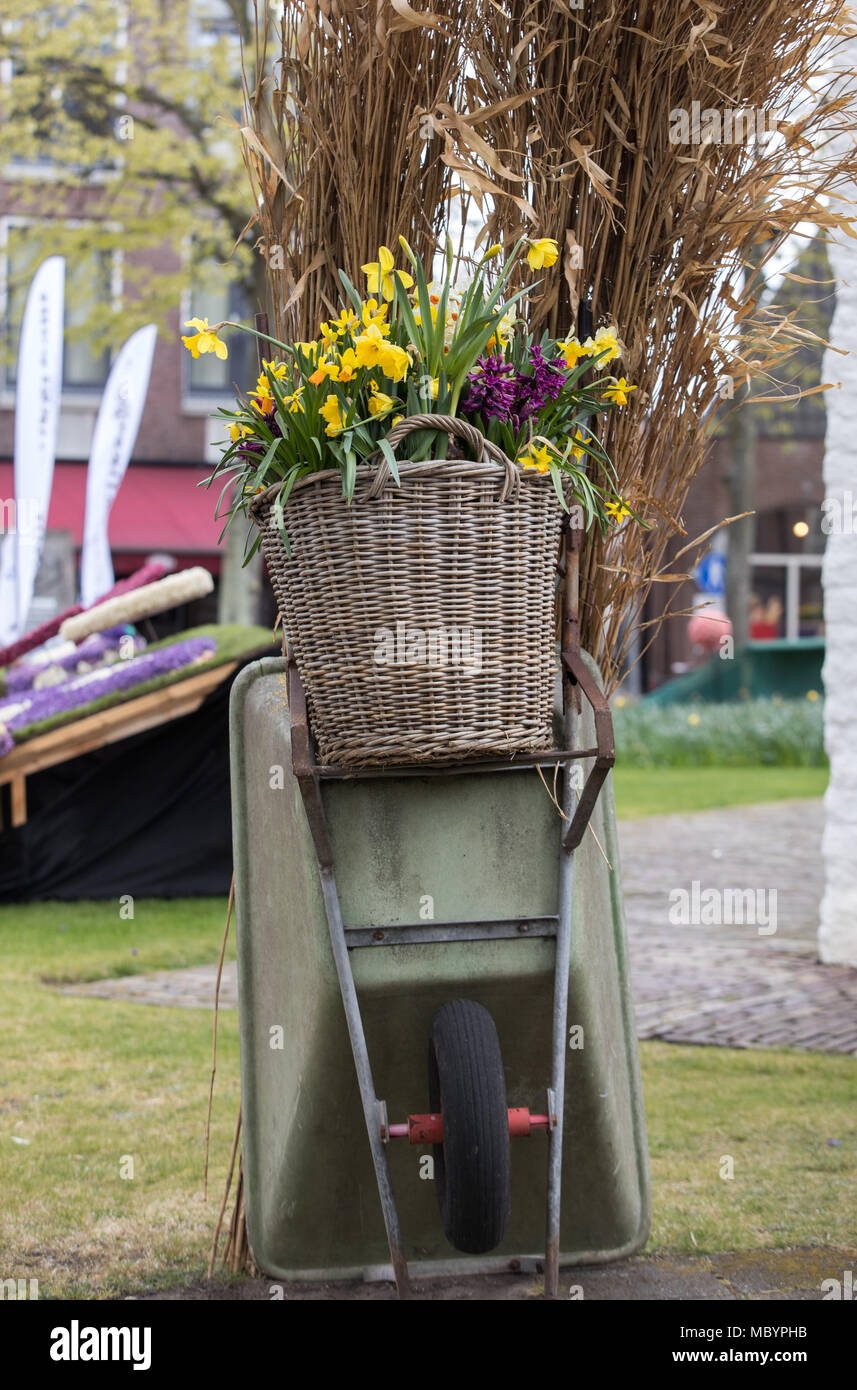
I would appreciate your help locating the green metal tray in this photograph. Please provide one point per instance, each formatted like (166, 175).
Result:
(467, 847)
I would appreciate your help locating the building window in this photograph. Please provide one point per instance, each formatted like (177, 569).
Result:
(89, 284)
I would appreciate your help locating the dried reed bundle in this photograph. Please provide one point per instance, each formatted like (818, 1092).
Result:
(570, 126)
(335, 141)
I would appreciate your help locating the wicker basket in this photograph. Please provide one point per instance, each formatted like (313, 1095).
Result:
(421, 617)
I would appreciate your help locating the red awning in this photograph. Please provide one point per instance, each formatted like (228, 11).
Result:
(156, 508)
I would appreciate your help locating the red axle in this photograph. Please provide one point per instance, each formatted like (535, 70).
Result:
(428, 1129)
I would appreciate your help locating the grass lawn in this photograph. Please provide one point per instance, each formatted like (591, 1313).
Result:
(643, 791)
(84, 1083)
(772, 1113)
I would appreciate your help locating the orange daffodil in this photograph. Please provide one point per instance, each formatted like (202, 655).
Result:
(204, 340)
(379, 275)
(619, 392)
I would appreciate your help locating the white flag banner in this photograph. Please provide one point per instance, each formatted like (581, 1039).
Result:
(37, 409)
(112, 445)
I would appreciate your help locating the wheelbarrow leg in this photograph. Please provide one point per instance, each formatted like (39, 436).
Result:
(556, 1107)
(559, 1037)
(372, 1109)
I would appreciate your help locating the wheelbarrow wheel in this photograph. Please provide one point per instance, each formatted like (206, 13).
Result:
(468, 1087)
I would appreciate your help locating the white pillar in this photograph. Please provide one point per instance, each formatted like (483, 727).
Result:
(837, 936)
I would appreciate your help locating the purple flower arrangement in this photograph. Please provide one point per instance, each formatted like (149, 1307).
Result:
(497, 391)
(36, 705)
(93, 650)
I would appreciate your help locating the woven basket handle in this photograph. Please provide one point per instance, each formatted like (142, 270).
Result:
(448, 424)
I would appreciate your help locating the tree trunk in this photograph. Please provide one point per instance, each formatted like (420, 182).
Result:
(740, 482)
(741, 535)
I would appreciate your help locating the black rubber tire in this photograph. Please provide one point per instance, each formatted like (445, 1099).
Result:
(472, 1166)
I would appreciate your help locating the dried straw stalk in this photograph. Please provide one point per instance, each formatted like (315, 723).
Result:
(574, 107)
(335, 142)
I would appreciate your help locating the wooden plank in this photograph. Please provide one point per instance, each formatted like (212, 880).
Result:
(19, 800)
(112, 725)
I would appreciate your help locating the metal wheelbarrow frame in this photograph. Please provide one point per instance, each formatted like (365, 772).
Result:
(576, 679)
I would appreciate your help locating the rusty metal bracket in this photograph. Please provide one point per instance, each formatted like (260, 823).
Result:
(606, 754)
(303, 768)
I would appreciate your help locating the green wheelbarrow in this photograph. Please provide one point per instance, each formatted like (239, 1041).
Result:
(460, 927)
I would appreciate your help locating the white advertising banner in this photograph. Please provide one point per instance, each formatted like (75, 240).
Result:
(112, 444)
(37, 408)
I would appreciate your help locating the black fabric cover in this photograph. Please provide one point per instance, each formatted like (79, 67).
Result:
(149, 815)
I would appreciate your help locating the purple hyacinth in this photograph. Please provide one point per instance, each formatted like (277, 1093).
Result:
(72, 694)
(491, 392)
(534, 390)
(495, 392)
(92, 650)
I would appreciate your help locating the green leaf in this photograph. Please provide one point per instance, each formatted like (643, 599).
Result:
(557, 483)
(387, 450)
(350, 475)
(351, 292)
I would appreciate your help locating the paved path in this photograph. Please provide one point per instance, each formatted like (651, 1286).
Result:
(757, 1275)
(737, 984)
(701, 981)
(178, 989)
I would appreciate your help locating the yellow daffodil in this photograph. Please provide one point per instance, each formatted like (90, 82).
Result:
(538, 458)
(397, 418)
(577, 451)
(332, 413)
(373, 350)
(394, 362)
(617, 510)
(346, 323)
(606, 338)
(380, 275)
(370, 313)
(309, 349)
(348, 365)
(379, 403)
(542, 253)
(204, 340)
(572, 351)
(368, 346)
(237, 432)
(263, 386)
(294, 402)
(329, 332)
(265, 404)
(619, 392)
